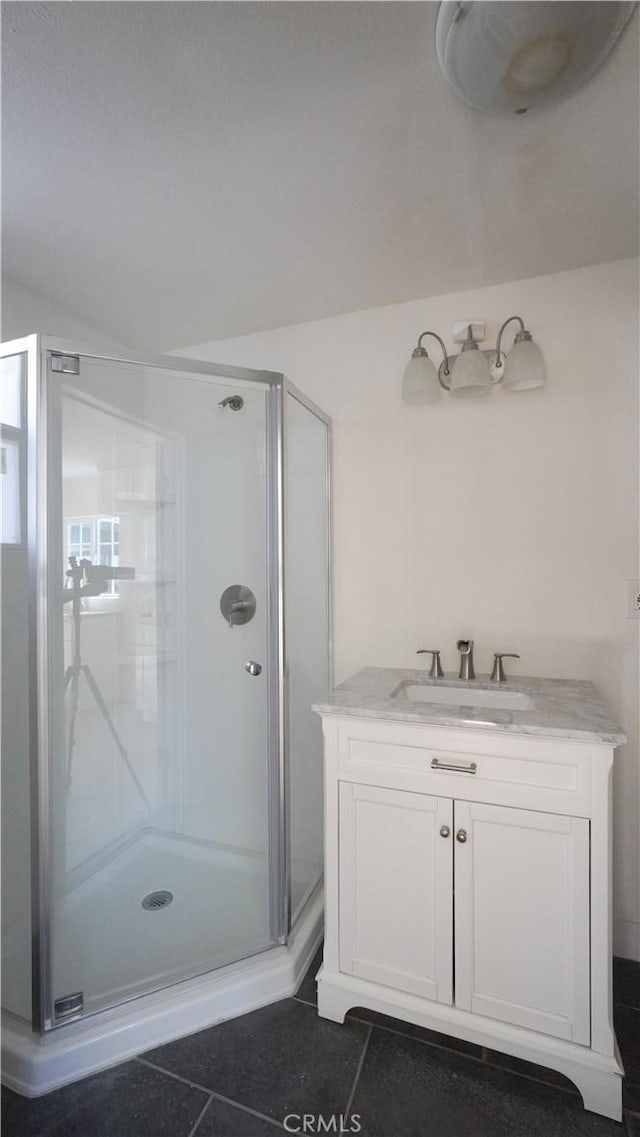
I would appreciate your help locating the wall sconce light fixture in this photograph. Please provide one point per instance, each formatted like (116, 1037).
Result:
(474, 372)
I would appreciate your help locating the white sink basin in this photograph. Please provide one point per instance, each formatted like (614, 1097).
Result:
(463, 696)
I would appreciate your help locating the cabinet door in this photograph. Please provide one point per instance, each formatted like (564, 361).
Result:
(522, 918)
(396, 904)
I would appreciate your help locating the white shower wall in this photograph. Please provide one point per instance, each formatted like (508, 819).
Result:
(225, 799)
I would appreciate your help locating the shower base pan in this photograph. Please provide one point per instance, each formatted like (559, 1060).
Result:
(34, 1065)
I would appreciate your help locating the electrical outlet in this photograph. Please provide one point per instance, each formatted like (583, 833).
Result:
(633, 606)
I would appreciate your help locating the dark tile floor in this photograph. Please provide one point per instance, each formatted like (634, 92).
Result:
(242, 1078)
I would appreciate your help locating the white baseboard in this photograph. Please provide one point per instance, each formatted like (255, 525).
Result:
(626, 939)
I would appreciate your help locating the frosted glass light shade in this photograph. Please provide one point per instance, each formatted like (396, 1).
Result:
(504, 58)
(420, 383)
(470, 376)
(524, 367)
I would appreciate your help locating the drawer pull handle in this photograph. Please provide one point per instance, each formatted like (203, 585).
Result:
(461, 836)
(444, 830)
(470, 768)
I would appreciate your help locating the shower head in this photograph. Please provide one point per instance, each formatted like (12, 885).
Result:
(235, 402)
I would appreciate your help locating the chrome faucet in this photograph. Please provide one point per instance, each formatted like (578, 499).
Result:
(465, 647)
(435, 671)
(498, 675)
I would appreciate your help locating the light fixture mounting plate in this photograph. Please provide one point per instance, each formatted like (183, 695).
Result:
(461, 327)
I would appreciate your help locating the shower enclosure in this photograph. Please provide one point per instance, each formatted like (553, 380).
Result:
(165, 628)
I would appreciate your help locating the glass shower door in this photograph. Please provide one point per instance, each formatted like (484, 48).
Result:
(162, 780)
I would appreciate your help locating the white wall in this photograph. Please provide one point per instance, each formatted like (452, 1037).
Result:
(513, 519)
(24, 312)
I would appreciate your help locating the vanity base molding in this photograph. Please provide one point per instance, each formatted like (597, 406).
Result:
(598, 1077)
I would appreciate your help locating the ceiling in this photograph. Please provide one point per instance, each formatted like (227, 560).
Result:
(181, 172)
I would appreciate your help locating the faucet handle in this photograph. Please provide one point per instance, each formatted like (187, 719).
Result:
(498, 675)
(435, 671)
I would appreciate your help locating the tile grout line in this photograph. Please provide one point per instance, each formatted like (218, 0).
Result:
(211, 1094)
(484, 1061)
(572, 1089)
(463, 1053)
(200, 1116)
(358, 1073)
(415, 1038)
(435, 1045)
(170, 1074)
(305, 1002)
(247, 1109)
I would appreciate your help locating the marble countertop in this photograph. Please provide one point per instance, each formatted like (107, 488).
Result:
(563, 708)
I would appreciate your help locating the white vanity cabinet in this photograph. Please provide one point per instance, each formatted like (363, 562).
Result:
(396, 880)
(521, 915)
(467, 889)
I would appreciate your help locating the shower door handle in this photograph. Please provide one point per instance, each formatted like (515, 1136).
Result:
(252, 667)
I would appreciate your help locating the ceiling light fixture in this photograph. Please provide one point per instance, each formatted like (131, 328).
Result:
(509, 57)
(473, 372)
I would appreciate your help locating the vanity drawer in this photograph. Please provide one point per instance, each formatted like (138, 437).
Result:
(506, 769)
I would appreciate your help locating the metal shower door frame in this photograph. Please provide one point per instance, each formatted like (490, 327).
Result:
(38, 778)
(294, 392)
(38, 349)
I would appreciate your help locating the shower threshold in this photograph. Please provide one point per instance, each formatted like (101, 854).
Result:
(119, 926)
(116, 940)
(34, 1065)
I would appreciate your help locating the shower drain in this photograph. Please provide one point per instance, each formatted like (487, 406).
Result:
(159, 899)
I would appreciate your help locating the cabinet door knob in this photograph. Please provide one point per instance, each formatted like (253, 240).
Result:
(461, 836)
(444, 830)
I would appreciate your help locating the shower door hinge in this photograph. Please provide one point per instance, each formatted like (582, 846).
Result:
(68, 1006)
(68, 364)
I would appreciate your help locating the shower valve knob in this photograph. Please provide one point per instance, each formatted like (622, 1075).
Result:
(252, 667)
(237, 604)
